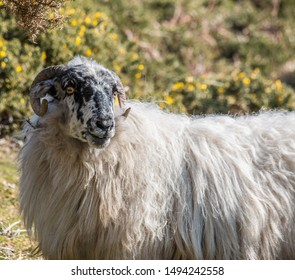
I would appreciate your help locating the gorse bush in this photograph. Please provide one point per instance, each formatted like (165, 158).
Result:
(237, 92)
(204, 56)
(90, 34)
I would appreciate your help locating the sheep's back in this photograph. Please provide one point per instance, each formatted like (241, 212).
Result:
(243, 180)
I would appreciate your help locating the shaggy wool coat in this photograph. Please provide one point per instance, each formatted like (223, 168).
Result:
(166, 187)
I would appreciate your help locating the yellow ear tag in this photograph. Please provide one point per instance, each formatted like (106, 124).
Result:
(116, 101)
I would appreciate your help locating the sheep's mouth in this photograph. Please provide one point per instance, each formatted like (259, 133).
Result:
(98, 142)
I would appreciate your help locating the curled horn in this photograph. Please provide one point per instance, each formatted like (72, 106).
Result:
(36, 91)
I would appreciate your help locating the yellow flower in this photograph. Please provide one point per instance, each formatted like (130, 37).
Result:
(138, 75)
(71, 12)
(2, 53)
(122, 50)
(134, 56)
(246, 81)
(81, 33)
(88, 52)
(51, 15)
(204, 86)
(87, 20)
(220, 90)
(19, 69)
(114, 36)
(256, 70)
(169, 100)
(43, 56)
(190, 87)
(3, 64)
(117, 68)
(278, 84)
(242, 75)
(162, 105)
(97, 14)
(74, 22)
(78, 41)
(177, 86)
(1, 3)
(140, 67)
(82, 28)
(95, 22)
(280, 98)
(22, 101)
(253, 76)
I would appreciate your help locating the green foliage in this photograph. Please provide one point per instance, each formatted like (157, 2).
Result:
(87, 33)
(155, 45)
(239, 91)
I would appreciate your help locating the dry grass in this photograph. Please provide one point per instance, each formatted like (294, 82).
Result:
(14, 241)
(36, 16)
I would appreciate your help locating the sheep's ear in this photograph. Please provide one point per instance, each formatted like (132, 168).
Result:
(122, 96)
(119, 90)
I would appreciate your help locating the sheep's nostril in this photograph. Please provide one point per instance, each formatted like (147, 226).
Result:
(104, 126)
(101, 126)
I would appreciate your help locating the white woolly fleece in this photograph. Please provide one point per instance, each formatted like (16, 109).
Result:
(167, 187)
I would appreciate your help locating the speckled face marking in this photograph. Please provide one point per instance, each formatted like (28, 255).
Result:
(86, 90)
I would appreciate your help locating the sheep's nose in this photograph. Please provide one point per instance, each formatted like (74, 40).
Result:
(100, 128)
(104, 125)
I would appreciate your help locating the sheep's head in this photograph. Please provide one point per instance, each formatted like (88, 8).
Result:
(86, 91)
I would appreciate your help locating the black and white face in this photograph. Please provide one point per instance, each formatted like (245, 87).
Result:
(86, 90)
(89, 97)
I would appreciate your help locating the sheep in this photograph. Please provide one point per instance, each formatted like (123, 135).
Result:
(99, 183)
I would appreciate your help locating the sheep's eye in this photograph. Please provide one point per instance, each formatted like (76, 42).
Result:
(115, 91)
(69, 90)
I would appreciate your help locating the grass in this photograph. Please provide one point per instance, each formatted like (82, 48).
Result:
(14, 241)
